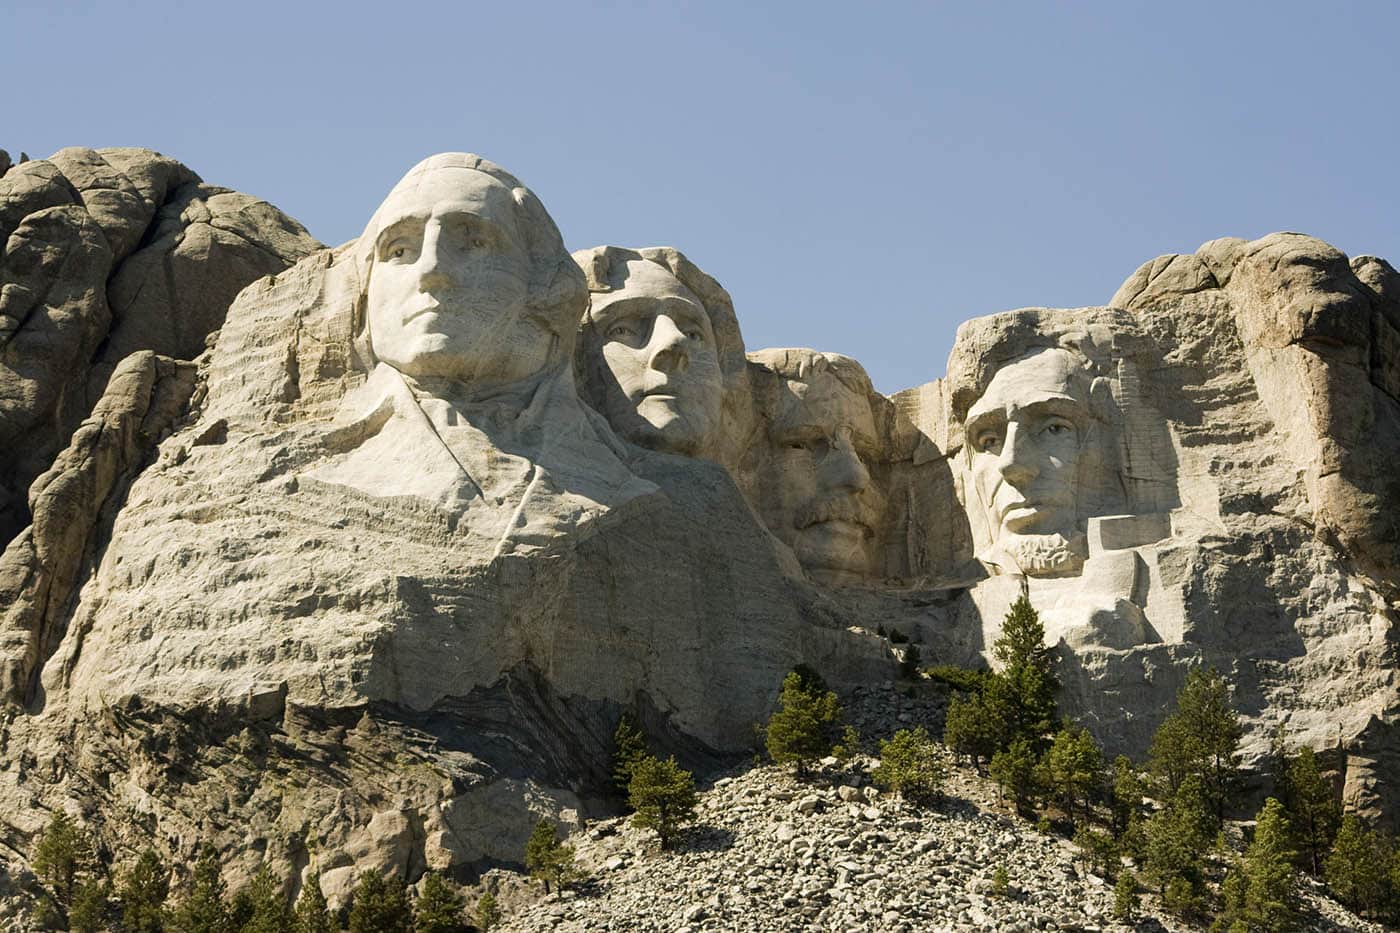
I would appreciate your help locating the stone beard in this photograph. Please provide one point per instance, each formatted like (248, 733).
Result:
(818, 496)
(1024, 442)
(650, 355)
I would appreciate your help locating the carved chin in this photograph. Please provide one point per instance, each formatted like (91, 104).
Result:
(835, 546)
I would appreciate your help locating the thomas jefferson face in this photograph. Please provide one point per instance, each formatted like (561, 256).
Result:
(449, 281)
(822, 503)
(1023, 437)
(654, 356)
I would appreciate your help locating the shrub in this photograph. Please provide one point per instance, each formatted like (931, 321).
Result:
(972, 728)
(909, 663)
(548, 859)
(1071, 770)
(800, 730)
(911, 763)
(379, 905)
(439, 908)
(663, 796)
(1014, 770)
(965, 680)
(630, 746)
(1001, 882)
(488, 914)
(849, 746)
(1099, 851)
(1125, 897)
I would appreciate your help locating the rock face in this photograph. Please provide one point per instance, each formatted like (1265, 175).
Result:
(441, 504)
(105, 253)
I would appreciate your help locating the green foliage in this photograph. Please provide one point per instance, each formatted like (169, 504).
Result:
(1356, 868)
(630, 746)
(1183, 898)
(548, 859)
(203, 910)
(800, 730)
(973, 729)
(1125, 792)
(271, 912)
(1259, 890)
(488, 914)
(1125, 897)
(1001, 882)
(91, 904)
(1314, 811)
(241, 909)
(1200, 739)
(962, 679)
(312, 913)
(379, 905)
(1099, 851)
(1175, 839)
(911, 763)
(1023, 691)
(909, 663)
(142, 892)
(63, 856)
(439, 909)
(663, 795)
(1071, 771)
(1014, 770)
(849, 746)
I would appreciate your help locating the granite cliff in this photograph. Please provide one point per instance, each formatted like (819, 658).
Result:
(368, 581)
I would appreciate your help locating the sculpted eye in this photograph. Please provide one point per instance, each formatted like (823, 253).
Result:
(986, 441)
(1059, 428)
(618, 331)
(695, 333)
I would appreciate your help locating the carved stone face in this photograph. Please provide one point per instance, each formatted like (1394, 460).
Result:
(449, 281)
(1023, 437)
(654, 356)
(821, 501)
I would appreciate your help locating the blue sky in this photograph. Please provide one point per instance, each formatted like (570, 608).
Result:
(862, 177)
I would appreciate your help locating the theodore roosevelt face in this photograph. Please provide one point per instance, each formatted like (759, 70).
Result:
(1024, 436)
(449, 281)
(655, 357)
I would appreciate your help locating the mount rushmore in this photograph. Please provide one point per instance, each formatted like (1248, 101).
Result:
(352, 557)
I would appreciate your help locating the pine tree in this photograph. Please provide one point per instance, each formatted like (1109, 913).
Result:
(1355, 870)
(800, 731)
(271, 912)
(379, 905)
(1175, 839)
(203, 909)
(1125, 897)
(143, 891)
(911, 764)
(548, 859)
(1259, 891)
(312, 913)
(1126, 790)
(91, 903)
(439, 909)
(1314, 811)
(1023, 691)
(1071, 770)
(1201, 738)
(488, 914)
(1014, 770)
(663, 795)
(62, 857)
(972, 728)
(630, 746)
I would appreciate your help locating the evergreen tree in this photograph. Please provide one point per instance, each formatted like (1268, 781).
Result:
(379, 905)
(1175, 840)
(488, 914)
(629, 747)
(1126, 790)
(1125, 897)
(547, 858)
(62, 857)
(911, 764)
(800, 730)
(1014, 770)
(972, 728)
(1023, 691)
(271, 912)
(1259, 891)
(1314, 811)
(241, 909)
(1201, 738)
(663, 795)
(1071, 771)
(203, 909)
(142, 893)
(312, 913)
(1355, 870)
(91, 904)
(439, 909)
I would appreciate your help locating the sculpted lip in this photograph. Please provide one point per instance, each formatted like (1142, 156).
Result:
(422, 311)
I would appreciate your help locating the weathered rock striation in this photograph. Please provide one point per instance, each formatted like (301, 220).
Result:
(440, 504)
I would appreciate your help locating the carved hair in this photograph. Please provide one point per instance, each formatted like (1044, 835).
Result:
(557, 293)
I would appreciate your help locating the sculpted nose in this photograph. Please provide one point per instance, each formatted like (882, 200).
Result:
(668, 346)
(842, 466)
(1016, 463)
(432, 271)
